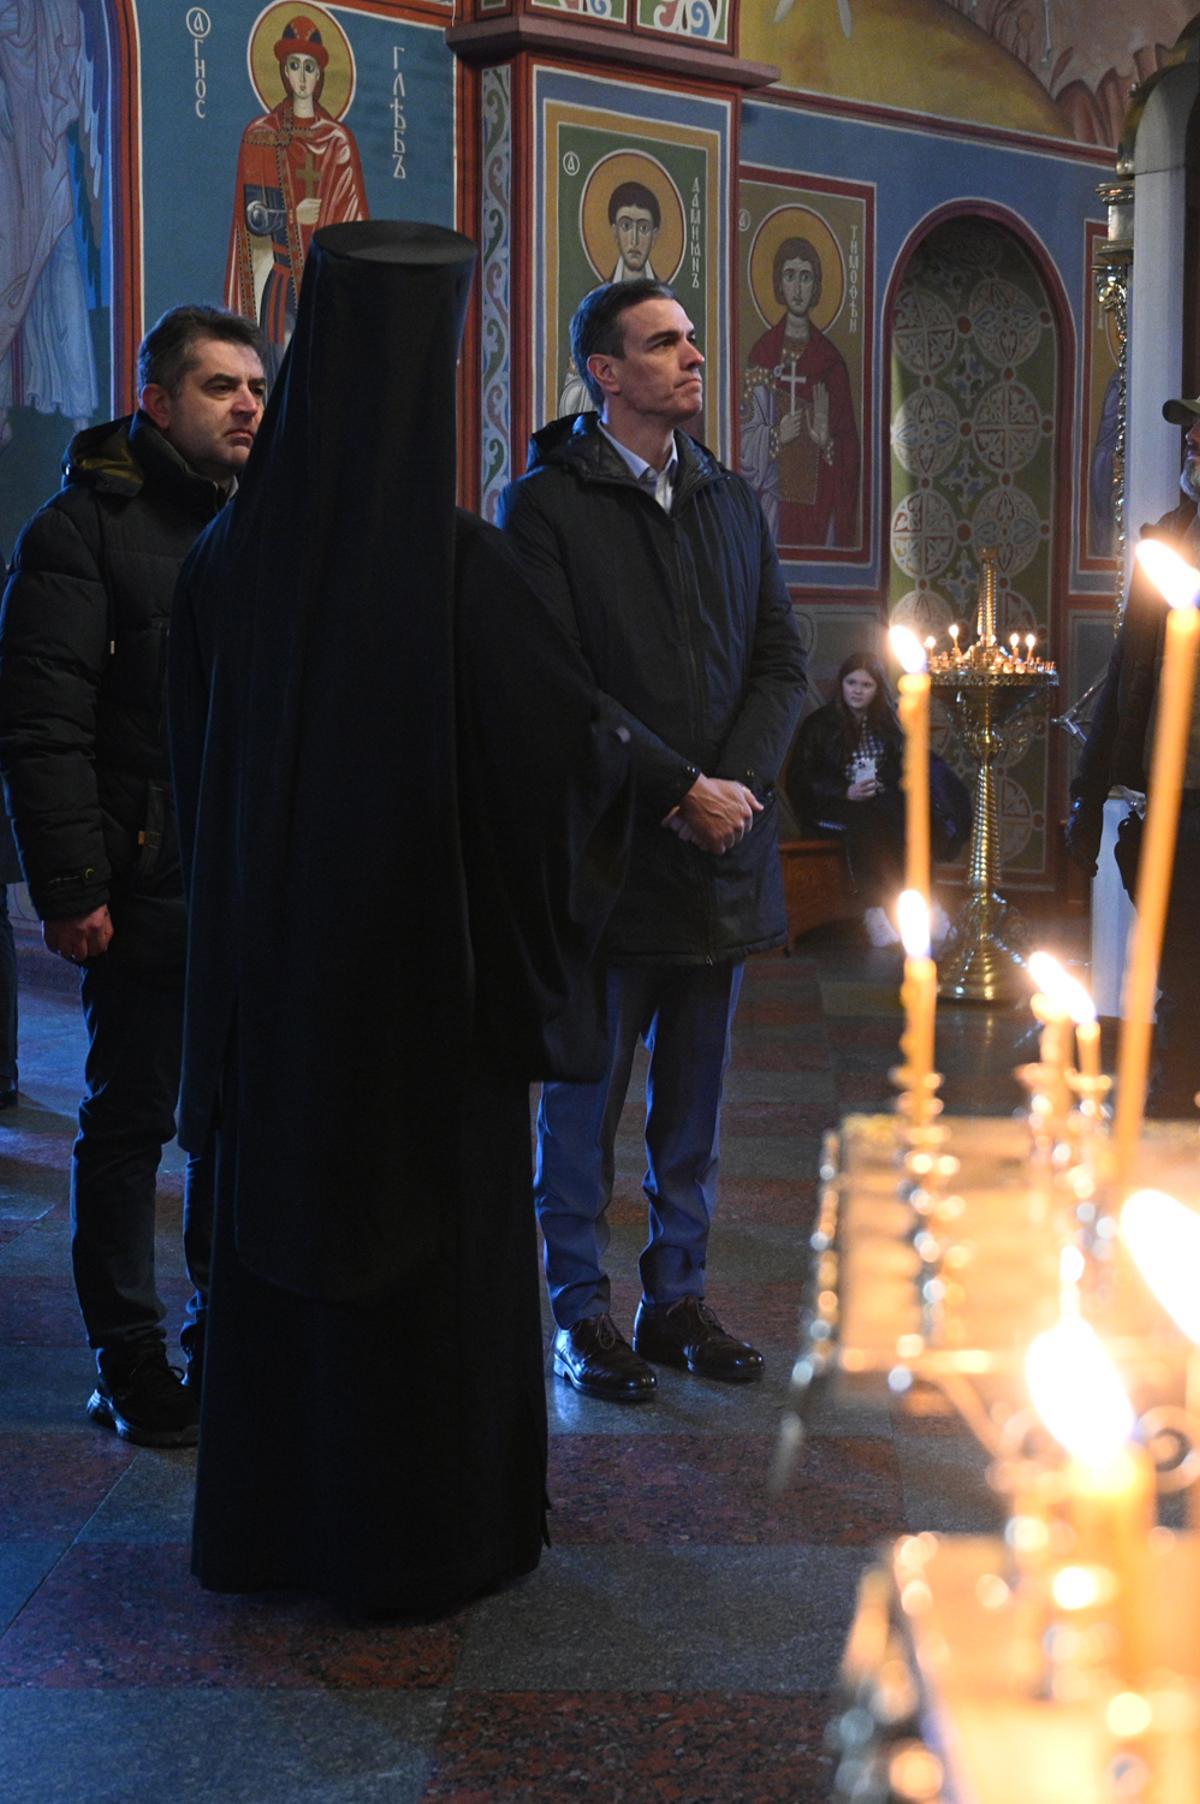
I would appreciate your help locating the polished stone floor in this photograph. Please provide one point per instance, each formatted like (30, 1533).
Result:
(679, 1641)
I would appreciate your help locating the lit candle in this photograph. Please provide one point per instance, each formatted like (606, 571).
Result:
(1052, 1009)
(918, 997)
(1180, 585)
(954, 632)
(1030, 642)
(1163, 1238)
(1014, 640)
(914, 718)
(1109, 1482)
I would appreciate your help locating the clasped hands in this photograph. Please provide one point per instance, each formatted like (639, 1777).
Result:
(715, 814)
(87, 936)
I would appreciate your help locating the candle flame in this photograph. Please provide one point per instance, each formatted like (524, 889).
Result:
(1163, 1235)
(1077, 1391)
(1176, 580)
(912, 916)
(1060, 989)
(908, 650)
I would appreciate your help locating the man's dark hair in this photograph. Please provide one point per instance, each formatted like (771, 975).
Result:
(596, 329)
(797, 250)
(634, 194)
(167, 352)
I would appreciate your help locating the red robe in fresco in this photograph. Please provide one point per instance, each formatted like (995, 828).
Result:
(282, 161)
(809, 499)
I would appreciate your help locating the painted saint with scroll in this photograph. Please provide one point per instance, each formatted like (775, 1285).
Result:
(298, 169)
(800, 444)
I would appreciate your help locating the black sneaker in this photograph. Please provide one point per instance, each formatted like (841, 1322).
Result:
(144, 1400)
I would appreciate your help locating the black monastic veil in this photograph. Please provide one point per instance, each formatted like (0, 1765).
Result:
(404, 818)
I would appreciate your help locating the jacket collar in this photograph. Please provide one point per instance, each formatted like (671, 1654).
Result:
(121, 456)
(578, 443)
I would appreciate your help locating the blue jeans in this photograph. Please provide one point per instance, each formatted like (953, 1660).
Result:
(684, 1013)
(134, 1020)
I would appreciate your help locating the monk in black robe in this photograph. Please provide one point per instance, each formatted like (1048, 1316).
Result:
(404, 819)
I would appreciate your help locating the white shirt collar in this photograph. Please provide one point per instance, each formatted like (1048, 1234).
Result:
(659, 483)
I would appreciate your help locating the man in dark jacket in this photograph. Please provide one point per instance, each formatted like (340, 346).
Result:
(83, 754)
(658, 564)
(1117, 756)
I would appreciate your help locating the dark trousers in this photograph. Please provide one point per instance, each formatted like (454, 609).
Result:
(8, 997)
(1177, 1035)
(873, 835)
(134, 1020)
(684, 1013)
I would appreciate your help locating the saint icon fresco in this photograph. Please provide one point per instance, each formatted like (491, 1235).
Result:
(632, 228)
(298, 166)
(800, 442)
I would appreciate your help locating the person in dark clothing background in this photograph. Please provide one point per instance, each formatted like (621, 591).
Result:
(403, 816)
(844, 774)
(84, 759)
(657, 562)
(1117, 756)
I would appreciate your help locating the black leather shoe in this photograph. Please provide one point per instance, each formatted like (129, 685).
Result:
(143, 1399)
(688, 1334)
(598, 1361)
(9, 1098)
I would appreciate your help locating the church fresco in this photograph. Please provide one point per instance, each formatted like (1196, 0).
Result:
(805, 263)
(624, 195)
(55, 269)
(298, 166)
(1096, 515)
(261, 158)
(1060, 68)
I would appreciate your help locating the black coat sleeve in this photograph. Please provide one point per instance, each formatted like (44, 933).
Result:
(53, 649)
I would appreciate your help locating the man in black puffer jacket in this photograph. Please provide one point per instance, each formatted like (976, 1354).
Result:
(83, 753)
(657, 562)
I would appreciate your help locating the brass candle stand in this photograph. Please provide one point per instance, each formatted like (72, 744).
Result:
(986, 687)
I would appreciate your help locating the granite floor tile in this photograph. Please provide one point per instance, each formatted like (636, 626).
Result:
(50, 1485)
(143, 1745)
(40, 1249)
(689, 1619)
(769, 1202)
(151, 1501)
(614, 1748)
(23, 1567)
(944, 1477)
(686, 1490)
(47, 1387)
(111, 1615)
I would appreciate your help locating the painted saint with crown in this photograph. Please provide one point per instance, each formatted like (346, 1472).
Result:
(298, 167)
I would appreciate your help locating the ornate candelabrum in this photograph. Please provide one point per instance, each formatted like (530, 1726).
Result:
(986, 686)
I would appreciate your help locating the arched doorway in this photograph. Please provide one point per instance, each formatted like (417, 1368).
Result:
(976, 423)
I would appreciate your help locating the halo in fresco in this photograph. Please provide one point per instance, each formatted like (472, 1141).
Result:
(1007, 427)
(594, 228)
(1006, 321)
(340, 75)
(927, 432)
(924, 533)
(797, 222)
(924, 335)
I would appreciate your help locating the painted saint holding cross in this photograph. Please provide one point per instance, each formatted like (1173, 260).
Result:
(800, 444)
(298, 169)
